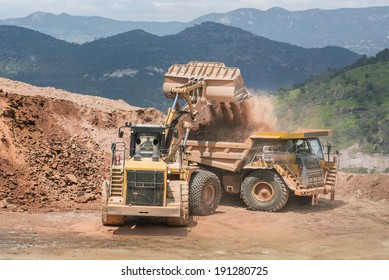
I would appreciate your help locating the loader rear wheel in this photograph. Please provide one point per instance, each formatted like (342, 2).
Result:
(264, 191)
(183, 220)
(205, 193)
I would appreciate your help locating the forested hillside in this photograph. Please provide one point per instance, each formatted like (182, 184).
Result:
(354, 102)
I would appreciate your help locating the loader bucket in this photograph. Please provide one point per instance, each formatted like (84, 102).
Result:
(221, 83)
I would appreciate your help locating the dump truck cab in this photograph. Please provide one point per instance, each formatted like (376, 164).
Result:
(299, 157)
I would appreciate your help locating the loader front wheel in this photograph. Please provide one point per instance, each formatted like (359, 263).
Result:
(183, 220)
(109, 220)
(205, 193)
(113, 220)
(264, 191)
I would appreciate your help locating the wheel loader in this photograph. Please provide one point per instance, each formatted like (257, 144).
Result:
(148, 175)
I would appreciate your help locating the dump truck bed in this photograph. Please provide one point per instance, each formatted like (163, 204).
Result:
(224, 155)
(230, 156)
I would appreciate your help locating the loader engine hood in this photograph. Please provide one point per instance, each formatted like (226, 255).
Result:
(145, 182)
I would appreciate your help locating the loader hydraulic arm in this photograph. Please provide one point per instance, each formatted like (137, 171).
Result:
(185, 91)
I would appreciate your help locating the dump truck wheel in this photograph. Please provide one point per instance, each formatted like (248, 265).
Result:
(265, 191)
(205, 193)
(183, 220)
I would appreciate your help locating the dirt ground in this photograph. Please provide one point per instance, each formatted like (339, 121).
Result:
(340, 229)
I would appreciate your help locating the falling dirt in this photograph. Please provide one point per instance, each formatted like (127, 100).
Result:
(54, 154)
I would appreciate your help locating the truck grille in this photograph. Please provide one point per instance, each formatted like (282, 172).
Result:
(145, 187)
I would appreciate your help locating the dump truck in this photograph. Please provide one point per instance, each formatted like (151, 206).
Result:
(148, 174)
(269, 166)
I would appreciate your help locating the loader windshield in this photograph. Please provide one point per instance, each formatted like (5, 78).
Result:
(147, 141)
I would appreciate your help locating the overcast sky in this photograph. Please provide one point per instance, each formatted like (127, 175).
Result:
(165, 10)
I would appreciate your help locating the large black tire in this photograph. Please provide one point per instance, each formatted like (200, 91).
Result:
(183, 220)
(204, 193)
(265, 191)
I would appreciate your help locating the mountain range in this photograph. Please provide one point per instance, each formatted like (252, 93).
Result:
(362, 30)
(130, 65)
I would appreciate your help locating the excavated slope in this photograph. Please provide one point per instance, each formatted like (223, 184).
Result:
(55, 145)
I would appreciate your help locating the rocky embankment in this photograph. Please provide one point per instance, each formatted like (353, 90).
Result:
(55, 146)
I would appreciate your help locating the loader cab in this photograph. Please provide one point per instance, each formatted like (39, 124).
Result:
(147, 141)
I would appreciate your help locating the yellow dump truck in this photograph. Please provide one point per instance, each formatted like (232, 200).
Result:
(269, 166)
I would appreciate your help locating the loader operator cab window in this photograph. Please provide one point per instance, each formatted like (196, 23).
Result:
(146, 144)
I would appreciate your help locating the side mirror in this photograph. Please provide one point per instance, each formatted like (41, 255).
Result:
(120, 134)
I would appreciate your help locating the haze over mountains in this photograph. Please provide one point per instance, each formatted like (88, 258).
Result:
(362, 30)
(130, 65)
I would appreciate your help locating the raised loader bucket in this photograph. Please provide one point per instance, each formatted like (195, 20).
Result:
(220, 83)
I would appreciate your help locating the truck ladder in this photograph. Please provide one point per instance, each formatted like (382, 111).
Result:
(331, 180)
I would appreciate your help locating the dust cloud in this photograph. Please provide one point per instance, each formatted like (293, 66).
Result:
(235, 122)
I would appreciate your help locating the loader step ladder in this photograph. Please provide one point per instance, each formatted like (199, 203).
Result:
(116, 182)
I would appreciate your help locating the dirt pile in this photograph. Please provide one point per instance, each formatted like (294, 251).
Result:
(373, 187)
(236, 122)
(54, 145)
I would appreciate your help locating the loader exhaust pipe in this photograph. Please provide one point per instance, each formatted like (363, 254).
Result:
(137, 155)
(155, 156)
